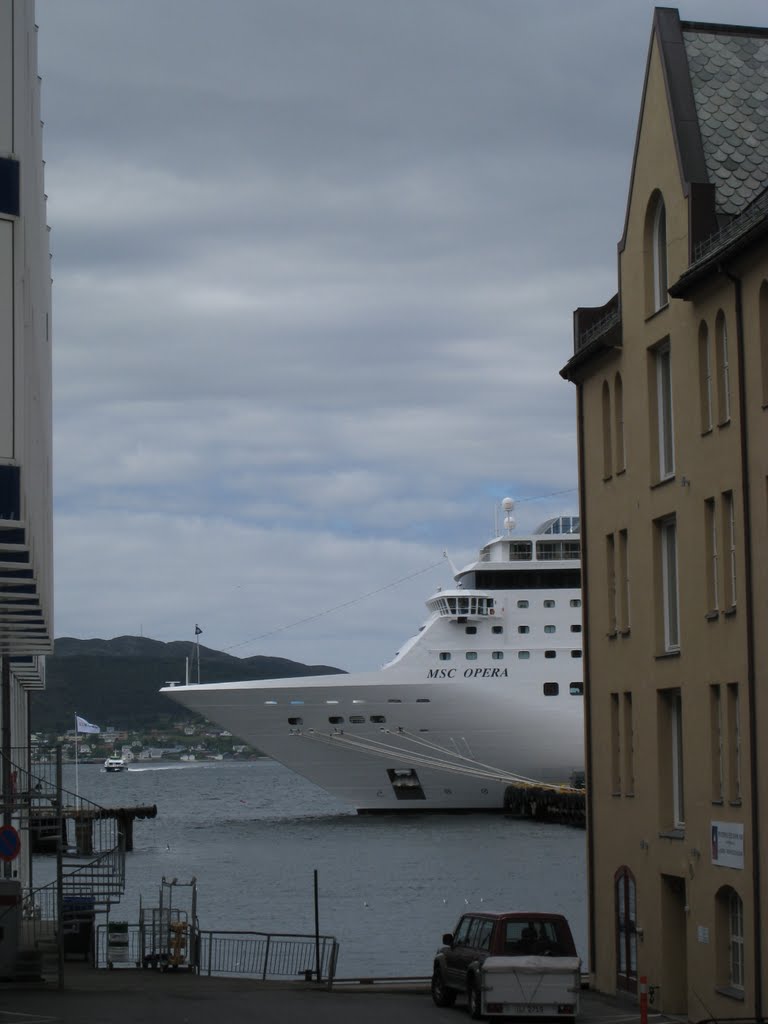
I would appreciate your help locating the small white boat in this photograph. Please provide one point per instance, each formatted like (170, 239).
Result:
(115, 764)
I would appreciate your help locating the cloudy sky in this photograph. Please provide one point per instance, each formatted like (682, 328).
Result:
(314, 268)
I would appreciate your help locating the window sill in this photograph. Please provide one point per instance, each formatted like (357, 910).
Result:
(622, 471)
(712, 616)
(607, 477)
(730, 611)
(673, 833)
(706, 431)
(724, 423)
(612, 634)
(735, 803)
(663, 482)
(655, 312)
(625, 632)
(730, 993)
(718, 803)
(668, 654)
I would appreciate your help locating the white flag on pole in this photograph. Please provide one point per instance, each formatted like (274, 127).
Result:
(83, 726)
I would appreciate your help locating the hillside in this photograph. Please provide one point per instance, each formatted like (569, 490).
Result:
(116, 682)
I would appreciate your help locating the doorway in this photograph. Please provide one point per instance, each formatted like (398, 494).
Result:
(674, 946)
(625, 904)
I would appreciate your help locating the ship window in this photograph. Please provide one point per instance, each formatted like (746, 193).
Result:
(575, 654)
(331, 701)
(523, 655)
(470, 629)
(551, 689)
(520, 551)
(297, 702)
(549, 603)
(522, 604)
(471, 655)
(336, 720)
(549, 629)
(497, 629)
(378, 718)
(295, 721)
(551, 654)
(576, 628)
(497, 655)
(358, 700)
(523, 629)
(423, 700)
(270, 702)
(357, 719)
(575, 602)
(576, 689)
(445, 655)
(394, 700)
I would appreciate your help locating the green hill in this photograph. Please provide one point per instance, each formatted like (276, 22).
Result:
(116, 682)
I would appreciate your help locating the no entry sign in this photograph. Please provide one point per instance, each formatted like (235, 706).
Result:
(10, 843)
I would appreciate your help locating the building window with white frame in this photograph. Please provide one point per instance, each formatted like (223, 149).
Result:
(723, 370)
(737, 940)
(618, 415)
(607, 446)
(729, 549)
(668, 584)
(662, 361)
(610, 569)
(734, 743)
(729, 938)
(623, 572)
(705, 378)
(659, 255)
(712, 555)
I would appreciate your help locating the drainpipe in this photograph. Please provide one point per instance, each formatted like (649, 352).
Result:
(587, 686)
(750, 626)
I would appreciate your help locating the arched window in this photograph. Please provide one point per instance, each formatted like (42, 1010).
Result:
(723, 370)
(729, 925)
(705, 377)
(764, 338)
(607, 447)
(656, 248)
(618, 415)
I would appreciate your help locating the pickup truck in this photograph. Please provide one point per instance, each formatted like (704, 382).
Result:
(516, 964)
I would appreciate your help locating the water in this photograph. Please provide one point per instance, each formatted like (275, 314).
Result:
(253, 833)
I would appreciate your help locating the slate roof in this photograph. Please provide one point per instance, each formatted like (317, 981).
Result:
(729, 76)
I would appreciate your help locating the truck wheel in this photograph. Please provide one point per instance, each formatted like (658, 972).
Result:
(441, 996)
(474, 999)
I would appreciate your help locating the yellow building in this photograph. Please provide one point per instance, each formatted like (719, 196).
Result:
(672, 383)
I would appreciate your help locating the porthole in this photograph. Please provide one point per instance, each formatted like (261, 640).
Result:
(522, 603)
(576, 629)
(576, 689)
(497, 629)
(378, 718)
(295, 721)
(297, 702)
(394, 700)
(445, 655)
(357, 719)
(331, 702)
(471, 630)
(523, 629)
(523, 655)
(575, 654)
(471, 655)
(551, 689)
(550, 654)
(575, 602)
(270, 702)
(497, 655)
(549, 603)
(549, 629)
(336, 719)
(423, 700)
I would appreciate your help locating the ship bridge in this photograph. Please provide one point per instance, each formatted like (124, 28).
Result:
(462, 604)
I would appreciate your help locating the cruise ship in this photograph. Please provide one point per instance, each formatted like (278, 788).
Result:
(487, 693)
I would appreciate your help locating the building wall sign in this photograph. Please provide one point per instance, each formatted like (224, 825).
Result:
(727, 838)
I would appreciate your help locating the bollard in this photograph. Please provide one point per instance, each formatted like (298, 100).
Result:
(643, 999)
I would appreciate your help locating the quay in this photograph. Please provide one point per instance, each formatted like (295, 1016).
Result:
(45, 823)
(557, 805)
(129, 995)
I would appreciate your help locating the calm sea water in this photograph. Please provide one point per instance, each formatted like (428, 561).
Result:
(253, 833)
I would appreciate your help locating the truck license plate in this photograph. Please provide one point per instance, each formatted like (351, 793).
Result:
(520, 1009)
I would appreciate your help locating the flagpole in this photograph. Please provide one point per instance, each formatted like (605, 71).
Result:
(77, 766)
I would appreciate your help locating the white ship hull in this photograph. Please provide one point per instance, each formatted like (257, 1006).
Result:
(487, 693)
(465, 743)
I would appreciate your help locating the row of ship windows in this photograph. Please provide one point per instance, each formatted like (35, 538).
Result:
(575, 602)
(472, 630)
(499, 655)
(549, 690)
(355, 700)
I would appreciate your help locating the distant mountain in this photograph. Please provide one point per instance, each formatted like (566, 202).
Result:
(116, 682)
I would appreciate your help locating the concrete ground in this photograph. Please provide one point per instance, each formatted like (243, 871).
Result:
(130, 996)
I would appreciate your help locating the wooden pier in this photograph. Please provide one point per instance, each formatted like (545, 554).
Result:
(44, 825)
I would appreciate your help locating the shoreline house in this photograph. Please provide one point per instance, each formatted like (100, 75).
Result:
(672, 405)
